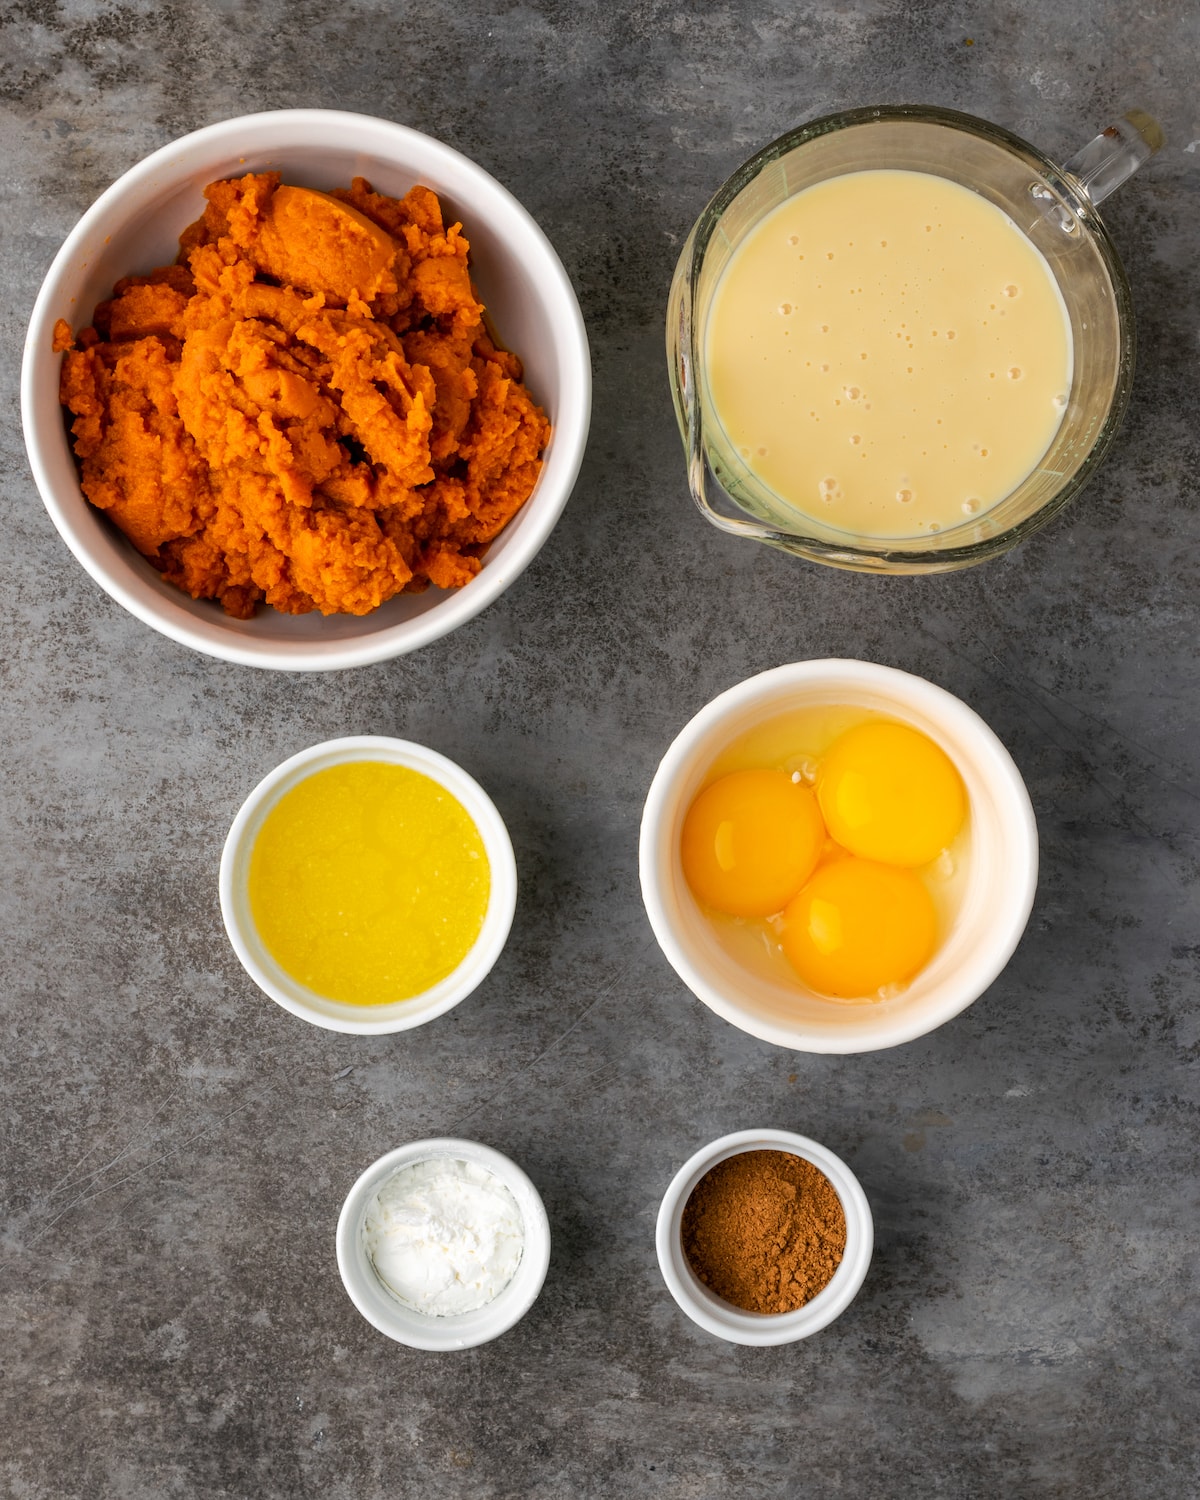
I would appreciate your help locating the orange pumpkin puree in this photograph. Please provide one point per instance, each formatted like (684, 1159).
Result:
(306, 409)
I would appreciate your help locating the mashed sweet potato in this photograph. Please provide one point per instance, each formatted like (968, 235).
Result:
(306, 409)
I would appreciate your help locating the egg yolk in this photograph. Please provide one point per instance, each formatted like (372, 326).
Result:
(858, 926)
(888, 792)
(750, 841)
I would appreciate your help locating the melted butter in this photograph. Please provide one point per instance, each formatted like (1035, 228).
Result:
(369, 882)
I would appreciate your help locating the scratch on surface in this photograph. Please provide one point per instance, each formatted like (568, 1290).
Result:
(1086, 713)
(528, 1067)
(1115, 798)
(1027, 695)
(183, 1077)
(66, 1180)
(120, 1217)
(108, 1187)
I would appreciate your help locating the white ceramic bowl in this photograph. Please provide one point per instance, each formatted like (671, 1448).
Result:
(463, 1330)
(135, 225)
(400, 1015)
(721, 1318)
(1000, 880)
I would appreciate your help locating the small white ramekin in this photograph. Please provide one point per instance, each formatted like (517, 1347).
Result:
(334, 1015)
(713, 1313)
(135, 225)
(464, 1330)
(1000, 883)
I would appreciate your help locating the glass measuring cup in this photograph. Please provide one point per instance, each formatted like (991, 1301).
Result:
(1055, 207)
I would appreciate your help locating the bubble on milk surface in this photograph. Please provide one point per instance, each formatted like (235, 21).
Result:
(829, 489)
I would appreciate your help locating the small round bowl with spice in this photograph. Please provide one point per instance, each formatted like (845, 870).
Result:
(368, 884)
(443, 1244)
(327, 386)
(764, 1237)
(837, 856)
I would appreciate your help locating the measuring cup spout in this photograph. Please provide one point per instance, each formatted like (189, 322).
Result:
(1115, 154)
(683, 359)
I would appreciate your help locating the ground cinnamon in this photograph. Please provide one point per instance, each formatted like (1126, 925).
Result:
(765, 1230)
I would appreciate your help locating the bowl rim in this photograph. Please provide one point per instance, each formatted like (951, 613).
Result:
(400, 1015)
(456, 1331)
(895, 1026)
(721, 1318)
(561, 462)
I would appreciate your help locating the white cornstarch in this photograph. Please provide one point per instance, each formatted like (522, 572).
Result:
(445, 1236)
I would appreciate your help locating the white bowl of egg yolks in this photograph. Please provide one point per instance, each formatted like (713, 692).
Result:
(391, 856)
(982, 886)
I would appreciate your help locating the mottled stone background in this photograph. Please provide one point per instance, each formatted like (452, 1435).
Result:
(175, 1148)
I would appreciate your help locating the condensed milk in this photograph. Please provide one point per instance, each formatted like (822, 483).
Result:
(888, 354)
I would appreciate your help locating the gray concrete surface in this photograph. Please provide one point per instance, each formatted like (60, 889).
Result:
(175, 1148)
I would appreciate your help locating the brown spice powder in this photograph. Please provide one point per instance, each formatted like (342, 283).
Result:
(764, 1230)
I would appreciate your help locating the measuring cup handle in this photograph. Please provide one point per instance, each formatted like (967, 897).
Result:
(1115, 154)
